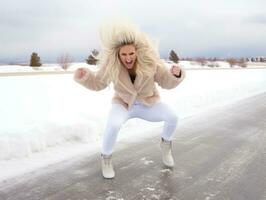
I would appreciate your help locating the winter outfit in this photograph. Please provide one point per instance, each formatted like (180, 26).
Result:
(142, 90)
(119, 115)
(137, 98)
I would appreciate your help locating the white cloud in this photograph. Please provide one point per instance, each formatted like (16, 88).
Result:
(192, 27)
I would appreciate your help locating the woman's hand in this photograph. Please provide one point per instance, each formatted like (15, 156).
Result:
(175, 70)
(80, 72)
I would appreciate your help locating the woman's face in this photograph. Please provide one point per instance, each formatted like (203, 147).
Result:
(127, 55)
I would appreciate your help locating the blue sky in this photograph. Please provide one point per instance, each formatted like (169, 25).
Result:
(190, 27)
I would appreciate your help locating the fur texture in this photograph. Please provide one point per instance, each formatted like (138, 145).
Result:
(150, 68)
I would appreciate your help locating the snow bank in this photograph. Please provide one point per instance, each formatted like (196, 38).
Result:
(44, 68)
(217, 65)
(38, 112)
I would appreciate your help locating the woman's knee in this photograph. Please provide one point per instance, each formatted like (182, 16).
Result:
(117, 117)
(116, 124)
(171, 118)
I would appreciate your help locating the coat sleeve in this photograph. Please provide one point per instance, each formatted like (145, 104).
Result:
(166, 79)
(93, 80)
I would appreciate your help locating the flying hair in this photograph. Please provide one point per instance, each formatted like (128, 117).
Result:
(119, 33)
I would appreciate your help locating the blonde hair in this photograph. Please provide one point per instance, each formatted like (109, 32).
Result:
(118, 34)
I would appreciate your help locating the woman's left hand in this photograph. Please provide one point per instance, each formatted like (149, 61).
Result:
(175, 70)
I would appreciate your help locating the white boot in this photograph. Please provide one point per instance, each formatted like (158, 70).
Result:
(166, 147)
(107, 167)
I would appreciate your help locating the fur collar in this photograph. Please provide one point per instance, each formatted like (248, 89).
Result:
(125, 81)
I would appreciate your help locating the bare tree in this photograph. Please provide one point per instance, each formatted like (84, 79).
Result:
(242, 62)
(202, 61)
(231, 61)
(64, 61)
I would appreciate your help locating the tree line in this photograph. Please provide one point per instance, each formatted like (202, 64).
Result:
(65, 60)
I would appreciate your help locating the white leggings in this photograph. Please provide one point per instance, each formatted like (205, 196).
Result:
(119, 115)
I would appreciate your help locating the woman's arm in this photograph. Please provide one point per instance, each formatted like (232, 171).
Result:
(90, 79)
(169, 79)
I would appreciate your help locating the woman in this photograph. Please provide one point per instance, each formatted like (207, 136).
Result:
(131, 62)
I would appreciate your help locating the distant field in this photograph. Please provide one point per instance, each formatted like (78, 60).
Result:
(34, 73)
(52, 69)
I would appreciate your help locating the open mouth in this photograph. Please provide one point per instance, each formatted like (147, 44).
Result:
(129, 62)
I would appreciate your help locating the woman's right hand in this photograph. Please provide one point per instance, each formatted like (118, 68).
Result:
(80, 72)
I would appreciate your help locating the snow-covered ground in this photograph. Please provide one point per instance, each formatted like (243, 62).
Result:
(57, 68)
(44, 68)
(49, 118)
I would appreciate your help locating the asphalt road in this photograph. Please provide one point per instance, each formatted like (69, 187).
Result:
(220, 154)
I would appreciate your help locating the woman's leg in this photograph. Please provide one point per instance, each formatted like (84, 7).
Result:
(117, 116)
(158, 112)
